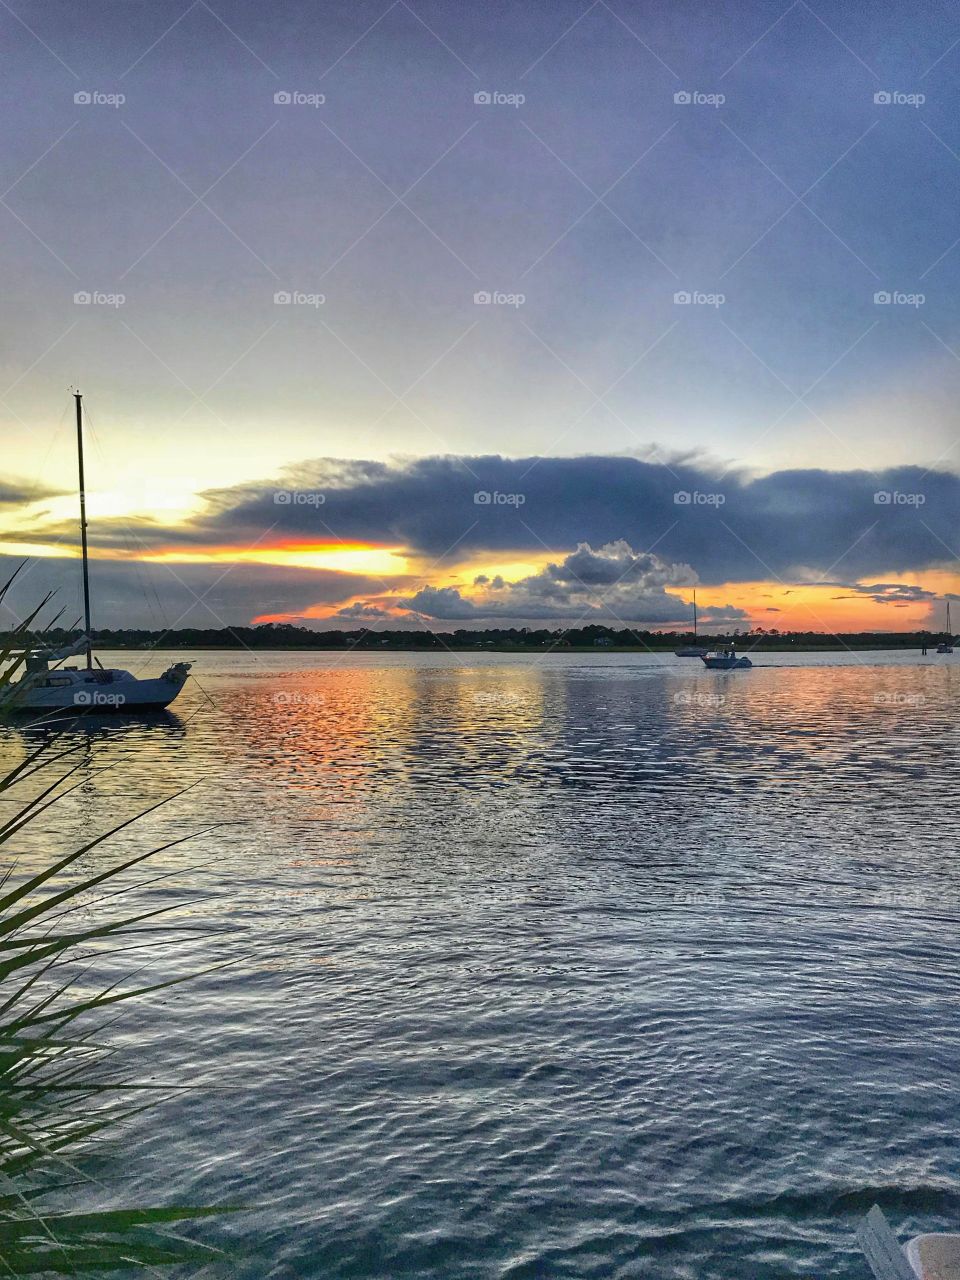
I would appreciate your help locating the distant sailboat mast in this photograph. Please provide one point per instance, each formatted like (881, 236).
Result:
(946, 646)
(83, 532)
(692, 650)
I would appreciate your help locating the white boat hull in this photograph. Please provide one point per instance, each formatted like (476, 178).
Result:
(101, 691)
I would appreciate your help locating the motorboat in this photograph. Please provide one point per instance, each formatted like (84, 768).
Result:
(46, 685)
(726, 660)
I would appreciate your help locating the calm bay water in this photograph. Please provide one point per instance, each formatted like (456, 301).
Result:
(563, 966)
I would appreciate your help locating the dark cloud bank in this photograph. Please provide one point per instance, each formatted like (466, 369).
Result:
(624, 529)
(841, 524)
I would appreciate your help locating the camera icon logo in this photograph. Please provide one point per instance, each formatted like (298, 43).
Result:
(83, 98)
(882, 98)
(882, 298)
(482, 498)
(82, 698)
(883, 497)
(282, 98)
(482, 99)
(482, 298)
(82, 299)
(682, 498)
(282, 298)
(681, 298)
(282, 497)
(682, 98)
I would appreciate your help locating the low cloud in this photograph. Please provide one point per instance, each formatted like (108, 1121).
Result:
(613, 584)
(20, 493)
(363, 613)
(887, 592)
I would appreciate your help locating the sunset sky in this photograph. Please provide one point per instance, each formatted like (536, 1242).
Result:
(442, 314)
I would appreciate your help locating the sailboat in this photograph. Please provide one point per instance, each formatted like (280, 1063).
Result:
(48, 686)
(692, 650)
(946, 646)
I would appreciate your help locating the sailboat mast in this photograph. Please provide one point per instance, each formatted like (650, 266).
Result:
(694, 613)
(83, 530)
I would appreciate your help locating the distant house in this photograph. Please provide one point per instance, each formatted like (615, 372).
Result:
(604, 640)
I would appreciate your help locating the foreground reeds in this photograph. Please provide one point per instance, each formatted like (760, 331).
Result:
(57, 1096)
(54, 1097)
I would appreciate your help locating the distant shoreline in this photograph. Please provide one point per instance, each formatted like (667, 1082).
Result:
(593, 638)
(597, 650)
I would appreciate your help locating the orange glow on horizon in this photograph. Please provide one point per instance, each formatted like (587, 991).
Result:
(830, 608)
(395, 572)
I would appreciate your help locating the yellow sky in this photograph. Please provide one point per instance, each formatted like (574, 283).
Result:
(785, 606)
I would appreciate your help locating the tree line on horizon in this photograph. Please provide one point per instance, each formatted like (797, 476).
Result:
(286, 635)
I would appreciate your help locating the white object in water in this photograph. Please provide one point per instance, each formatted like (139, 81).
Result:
(725, 660)
(79, 690)
(935, 1256)
(927, 1257)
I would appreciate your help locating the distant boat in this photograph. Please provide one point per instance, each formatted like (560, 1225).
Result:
(946, 646)
(692, 650)
(725, 660)
(46, 686)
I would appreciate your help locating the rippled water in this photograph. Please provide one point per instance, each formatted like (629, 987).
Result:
(573, 966)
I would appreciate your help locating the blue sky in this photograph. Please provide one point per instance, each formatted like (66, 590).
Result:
(782, 198)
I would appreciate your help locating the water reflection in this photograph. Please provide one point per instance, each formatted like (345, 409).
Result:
(91, 725)
(580, 966)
